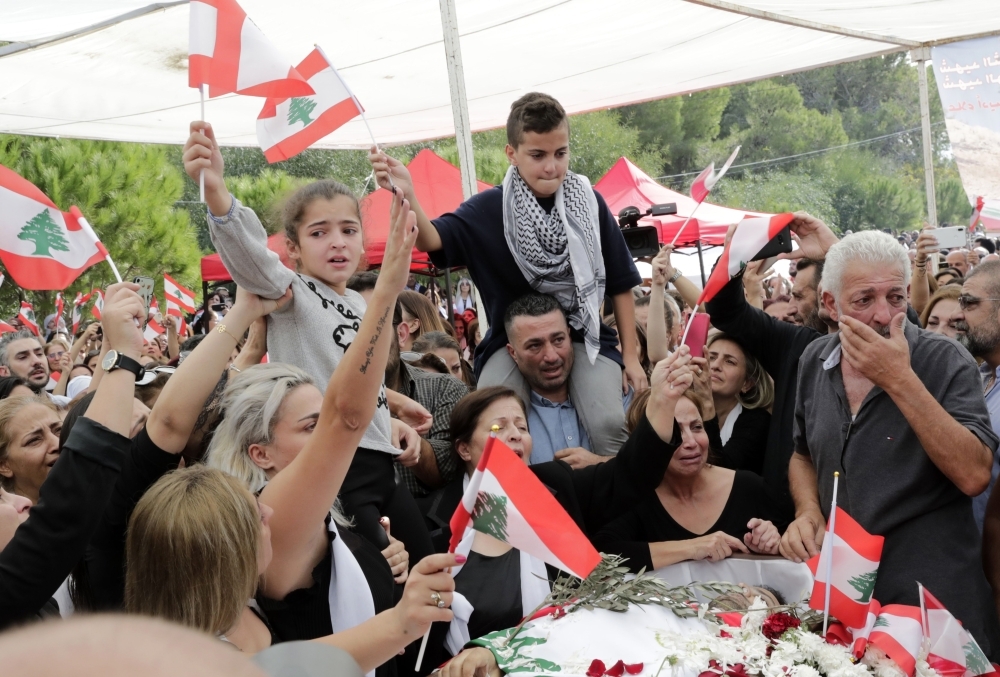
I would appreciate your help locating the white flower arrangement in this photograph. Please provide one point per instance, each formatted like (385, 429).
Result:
(745, 650)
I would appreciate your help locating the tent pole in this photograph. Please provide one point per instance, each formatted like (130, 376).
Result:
(922, 56)
(459, 101)
(447, 296)
(701, 264)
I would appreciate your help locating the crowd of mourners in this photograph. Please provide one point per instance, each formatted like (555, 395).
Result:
(288, 471)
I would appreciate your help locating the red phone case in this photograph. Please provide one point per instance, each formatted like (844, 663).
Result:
(698, 335)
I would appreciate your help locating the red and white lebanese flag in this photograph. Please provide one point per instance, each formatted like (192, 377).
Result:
(6, 327)
(230, 54)
(98, 304)
(506, 501)
(179, 299)
(752, 234)
(856, 555)
(41, 246)
(976, 213)
(286, 127)
(705, 182)
(77, 312)
(953, 651)
(60, 306)
(152, 330)
(27, 315)
(898, 633)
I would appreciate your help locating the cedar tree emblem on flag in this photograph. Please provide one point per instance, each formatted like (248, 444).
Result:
(45, 233)
(490, 515)
(864, 584)
(299, 110)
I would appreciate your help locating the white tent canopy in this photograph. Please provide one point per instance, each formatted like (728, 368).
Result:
(127, 80)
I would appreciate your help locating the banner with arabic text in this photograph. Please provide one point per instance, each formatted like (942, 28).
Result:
(968, 79)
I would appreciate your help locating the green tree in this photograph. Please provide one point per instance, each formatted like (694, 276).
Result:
(952, 202)
(777, 191)
(300, 110)
(126, 191)
(45, 233)
(976, 661)
(770, 121)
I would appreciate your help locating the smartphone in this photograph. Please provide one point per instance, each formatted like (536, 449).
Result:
(779, 244)
(951, 237)
(146, 294)
(698, 334)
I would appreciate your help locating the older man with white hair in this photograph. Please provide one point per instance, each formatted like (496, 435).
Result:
(899, 413)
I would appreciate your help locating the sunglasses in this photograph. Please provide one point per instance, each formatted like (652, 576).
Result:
(151, 375)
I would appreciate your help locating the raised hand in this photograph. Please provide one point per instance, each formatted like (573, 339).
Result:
(201, 152)
(882, 360)
(121, 318)
(399, 246)
(813, 237)
(662, 268)
(396, 555)
(385, 166)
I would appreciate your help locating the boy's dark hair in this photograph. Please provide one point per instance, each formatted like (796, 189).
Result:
(533, 112)
(532, 305)
(360, 282)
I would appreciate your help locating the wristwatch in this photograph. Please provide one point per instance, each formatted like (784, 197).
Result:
(115, 360)
(673, 278)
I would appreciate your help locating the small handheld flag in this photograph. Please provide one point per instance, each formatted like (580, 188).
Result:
(27, 315)
(287, 126)
(953, 651)
(703, 185)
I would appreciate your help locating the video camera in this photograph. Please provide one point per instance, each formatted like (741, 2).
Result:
(643, 241)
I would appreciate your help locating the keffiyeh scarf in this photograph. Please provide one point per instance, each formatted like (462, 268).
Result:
(559, 253)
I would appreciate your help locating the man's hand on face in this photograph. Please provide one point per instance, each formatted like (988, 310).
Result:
(885, 361)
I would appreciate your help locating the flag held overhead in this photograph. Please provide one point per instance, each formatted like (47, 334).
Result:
(230, 54)
(287, 126)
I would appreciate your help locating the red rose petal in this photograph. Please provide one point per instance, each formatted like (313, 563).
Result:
(633, 669)
(616, 670)
(596, 669)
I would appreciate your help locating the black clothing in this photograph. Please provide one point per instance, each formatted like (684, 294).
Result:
(263, 619)
(473, 236)
(370, 492)
(104, 561)
(593, 496)
(746, 445)
(305, 613)
(649, 522)
(493, 587)
(72, 500)
(777, 346)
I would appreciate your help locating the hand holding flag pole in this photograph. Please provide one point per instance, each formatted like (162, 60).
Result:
(829, 560)
(377, 150)
(201, 175)
(456, 537)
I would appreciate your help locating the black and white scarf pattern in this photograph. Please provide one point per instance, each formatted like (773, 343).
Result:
(559, 253)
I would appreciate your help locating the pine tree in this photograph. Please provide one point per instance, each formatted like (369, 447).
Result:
(490, 515)
(881, 622)
(300, 109)
(865, 585)
(45, 233)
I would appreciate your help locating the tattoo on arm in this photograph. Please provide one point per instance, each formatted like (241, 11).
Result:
(374, 341)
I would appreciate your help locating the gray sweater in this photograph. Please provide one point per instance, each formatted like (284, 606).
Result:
(315, 328)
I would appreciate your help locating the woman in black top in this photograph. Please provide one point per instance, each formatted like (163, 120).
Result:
(492, 579)
(40, 543)
(736, 416)
(699, 511)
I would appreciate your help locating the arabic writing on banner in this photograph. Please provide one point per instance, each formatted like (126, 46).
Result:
(968, 79)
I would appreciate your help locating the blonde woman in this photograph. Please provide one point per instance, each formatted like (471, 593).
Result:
(736, 393)
(199, 543)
